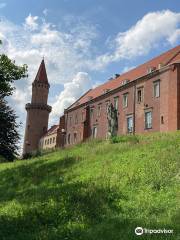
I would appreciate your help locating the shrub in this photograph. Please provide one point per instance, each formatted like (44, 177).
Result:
(2, 159)
(124, 138)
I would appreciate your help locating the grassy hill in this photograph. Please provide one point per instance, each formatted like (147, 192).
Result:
(98, 190)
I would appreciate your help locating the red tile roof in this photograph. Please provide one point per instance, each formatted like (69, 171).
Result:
(173, 55)
(41, 74)
(52, 130)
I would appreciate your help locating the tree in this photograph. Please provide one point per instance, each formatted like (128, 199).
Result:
(9, 136)
(9, 72)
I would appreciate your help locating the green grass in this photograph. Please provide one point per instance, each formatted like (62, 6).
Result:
(98, 190)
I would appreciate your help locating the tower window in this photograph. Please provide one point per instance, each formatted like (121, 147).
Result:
(44, 129)
(162, 120)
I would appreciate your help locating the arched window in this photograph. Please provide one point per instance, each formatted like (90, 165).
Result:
(69, 138)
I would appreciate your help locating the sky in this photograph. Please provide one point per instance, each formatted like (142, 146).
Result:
(83, 42)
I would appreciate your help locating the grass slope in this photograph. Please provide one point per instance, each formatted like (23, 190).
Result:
(93, 191)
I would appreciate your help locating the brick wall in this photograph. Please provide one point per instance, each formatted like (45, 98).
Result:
(165, 108)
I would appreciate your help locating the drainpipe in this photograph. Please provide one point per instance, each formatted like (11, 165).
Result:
(134, 110)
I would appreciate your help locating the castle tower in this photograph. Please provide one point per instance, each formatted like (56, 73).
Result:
(37, 111)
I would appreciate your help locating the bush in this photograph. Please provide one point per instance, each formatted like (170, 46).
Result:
(32, 155)
(2, 159)
(124, 138)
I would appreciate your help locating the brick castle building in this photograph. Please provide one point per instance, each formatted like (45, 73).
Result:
(147, 99)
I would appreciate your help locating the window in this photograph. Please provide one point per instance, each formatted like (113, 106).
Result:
(82, 116)
(50, 140)
(92, 112)
(75, 137)
(156, 89)
(116, 101)
(94, 132)
(130, 124)
(53, 139)
(76, 119)
(70, 121)
(148, 120)
(69, 138)
(45, 142)
(139, 95)
(162, 120)
(125, 100)
(107, 105)
(99, 110)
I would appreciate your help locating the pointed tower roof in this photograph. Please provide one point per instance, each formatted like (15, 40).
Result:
(41, 74)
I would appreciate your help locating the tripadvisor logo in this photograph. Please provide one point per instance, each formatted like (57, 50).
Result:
(140, 231)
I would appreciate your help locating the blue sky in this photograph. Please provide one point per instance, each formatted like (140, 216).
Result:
(84, 42)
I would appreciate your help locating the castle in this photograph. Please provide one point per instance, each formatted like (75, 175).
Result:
(145, 99)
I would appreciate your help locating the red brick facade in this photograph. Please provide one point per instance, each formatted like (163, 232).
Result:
(147, 99)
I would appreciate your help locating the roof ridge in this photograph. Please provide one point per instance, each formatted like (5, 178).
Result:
(174, 55)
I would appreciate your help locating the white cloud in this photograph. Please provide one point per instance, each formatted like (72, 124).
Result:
(72, 51)
(146, 34)
(3, 5)
(173, 39)
(20, 98)
(31, 22)
(65, 52)
(72, 91)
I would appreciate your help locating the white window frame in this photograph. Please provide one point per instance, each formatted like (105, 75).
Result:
(94, 132)
(125, 100)
(130, 129)
(107, 105)
(142, 94)
(156, 85)
(148, 124)
(76, 119)
(99, 109)
(116, 102)
(92, 112)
